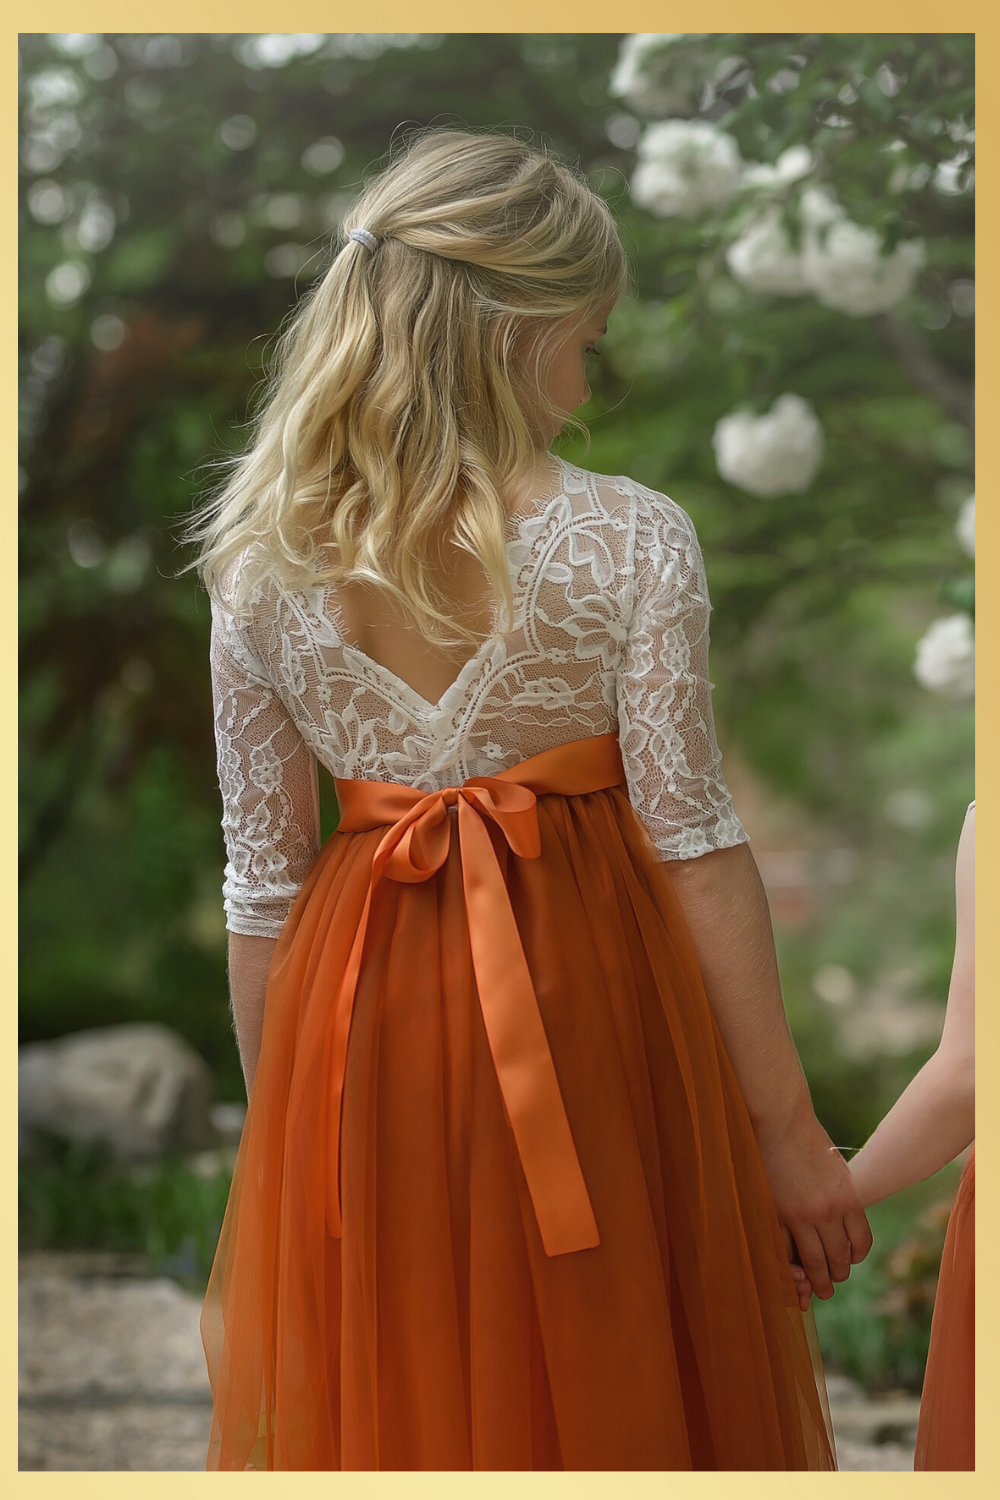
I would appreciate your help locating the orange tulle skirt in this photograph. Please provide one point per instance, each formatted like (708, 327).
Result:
(498, 1203)
(946, 1433)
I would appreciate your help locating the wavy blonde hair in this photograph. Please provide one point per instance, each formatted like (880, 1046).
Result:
(407, 391)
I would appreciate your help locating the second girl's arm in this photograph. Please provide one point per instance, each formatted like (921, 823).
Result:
(934, 1118)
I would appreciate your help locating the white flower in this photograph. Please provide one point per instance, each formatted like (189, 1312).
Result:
(840, 262)
(955, 176)
(790, 166)
(965, 526)
(818, 206)
(685, 167)
(946, 657)
(763, 259)
(653, 76)
(777, 454)
(846, 269)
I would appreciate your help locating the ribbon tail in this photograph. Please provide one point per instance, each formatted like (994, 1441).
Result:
(339, 1030)
(520, 1049)
(337, 1038)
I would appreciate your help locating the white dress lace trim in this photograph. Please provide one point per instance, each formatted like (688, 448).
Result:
(610, 632)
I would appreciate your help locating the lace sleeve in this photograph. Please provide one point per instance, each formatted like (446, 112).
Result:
(269, 784)
(667, 732)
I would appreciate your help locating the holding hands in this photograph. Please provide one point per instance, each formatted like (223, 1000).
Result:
(824, 1225)
(819, 1209)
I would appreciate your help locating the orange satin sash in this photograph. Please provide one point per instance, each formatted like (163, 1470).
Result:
(414, 847)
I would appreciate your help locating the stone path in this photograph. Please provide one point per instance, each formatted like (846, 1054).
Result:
(872, 1434)
(112, 1376)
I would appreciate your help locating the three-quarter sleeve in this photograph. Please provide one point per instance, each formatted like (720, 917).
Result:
(269, 784)
(666, 728)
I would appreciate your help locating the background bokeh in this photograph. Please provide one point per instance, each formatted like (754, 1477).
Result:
(179, 192)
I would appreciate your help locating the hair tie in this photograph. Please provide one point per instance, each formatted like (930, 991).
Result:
(364, 237)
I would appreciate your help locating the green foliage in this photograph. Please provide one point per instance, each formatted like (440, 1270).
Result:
(876, 1326)
(76, 1197)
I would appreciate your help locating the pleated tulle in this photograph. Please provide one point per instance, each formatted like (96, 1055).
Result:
(946, 1433)
(437, 1334)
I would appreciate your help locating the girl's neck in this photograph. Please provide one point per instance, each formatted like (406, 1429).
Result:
(534, 483)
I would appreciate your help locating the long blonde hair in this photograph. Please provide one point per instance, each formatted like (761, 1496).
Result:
(405, 394)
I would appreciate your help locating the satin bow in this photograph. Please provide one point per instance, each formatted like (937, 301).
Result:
(414, 847)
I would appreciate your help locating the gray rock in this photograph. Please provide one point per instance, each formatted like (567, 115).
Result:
(139, 1088)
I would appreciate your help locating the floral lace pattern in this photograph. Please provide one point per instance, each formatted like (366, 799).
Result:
(610, 633)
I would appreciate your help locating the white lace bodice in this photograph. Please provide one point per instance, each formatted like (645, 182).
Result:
(610, 633)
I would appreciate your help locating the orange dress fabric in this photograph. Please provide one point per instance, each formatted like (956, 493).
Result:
(946, 1432)
(498, 1203)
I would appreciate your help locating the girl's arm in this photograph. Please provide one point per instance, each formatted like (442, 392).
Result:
(934, 1119)
(270, 797)
(723, 900)
(675, 783)
(249, 961)
(674, 773)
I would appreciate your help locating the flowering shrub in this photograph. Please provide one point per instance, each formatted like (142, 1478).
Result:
(776, 454)
(658, 72)
(847, 269)
(842, 263)
(686, 167)
(946, 657)
(835, 173)
(763, 259)
(965, 526)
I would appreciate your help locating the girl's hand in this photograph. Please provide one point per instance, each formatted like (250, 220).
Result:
(817, 1203)
(803, 1286)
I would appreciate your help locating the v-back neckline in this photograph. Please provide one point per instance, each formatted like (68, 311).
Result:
(428, 708)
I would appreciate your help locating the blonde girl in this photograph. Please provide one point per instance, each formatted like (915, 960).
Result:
(528, 1145)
